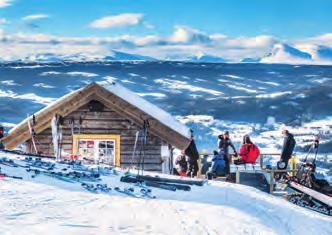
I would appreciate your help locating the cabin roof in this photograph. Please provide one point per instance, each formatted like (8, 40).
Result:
(123, 101)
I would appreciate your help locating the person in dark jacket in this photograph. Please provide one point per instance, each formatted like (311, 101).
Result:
(204, 162)
(218, 165)
(192, 167)
(287, 149)
(182, 165)
(224, 144)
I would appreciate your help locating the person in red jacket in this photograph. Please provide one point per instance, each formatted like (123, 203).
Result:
(249, 152)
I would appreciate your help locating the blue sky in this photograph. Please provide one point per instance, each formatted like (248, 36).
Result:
(167, 29)
(281, 18)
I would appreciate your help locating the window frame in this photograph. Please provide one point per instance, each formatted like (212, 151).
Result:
(113, 137)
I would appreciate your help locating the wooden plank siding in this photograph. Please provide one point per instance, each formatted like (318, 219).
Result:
(106, 122)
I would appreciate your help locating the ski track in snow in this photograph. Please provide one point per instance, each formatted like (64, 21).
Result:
(44, 205)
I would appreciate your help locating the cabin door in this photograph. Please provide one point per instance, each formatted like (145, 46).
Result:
(95, 148)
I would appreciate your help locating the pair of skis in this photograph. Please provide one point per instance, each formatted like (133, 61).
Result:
(32, 132)
(155, 184)
(143, 193)
(96, 188)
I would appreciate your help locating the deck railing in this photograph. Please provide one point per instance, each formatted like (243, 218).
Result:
(272, 172)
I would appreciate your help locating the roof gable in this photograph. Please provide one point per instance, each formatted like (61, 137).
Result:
(114, 96)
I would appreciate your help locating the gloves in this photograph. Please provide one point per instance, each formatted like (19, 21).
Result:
(236, 157)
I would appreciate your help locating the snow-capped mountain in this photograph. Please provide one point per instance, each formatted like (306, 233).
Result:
(206, 59)
(80, 57)
(122, 56)
(283, 53)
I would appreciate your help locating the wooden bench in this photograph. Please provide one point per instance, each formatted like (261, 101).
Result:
(248, 168)
(256, 168)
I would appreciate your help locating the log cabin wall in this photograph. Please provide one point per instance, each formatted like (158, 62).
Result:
(105, 122)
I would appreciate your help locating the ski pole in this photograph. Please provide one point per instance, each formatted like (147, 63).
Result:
(316, 145)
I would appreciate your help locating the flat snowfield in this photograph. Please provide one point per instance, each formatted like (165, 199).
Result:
(45, 205)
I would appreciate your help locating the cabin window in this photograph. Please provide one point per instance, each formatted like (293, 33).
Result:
(101, 148)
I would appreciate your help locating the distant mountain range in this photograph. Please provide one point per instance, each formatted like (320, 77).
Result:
(280, 54)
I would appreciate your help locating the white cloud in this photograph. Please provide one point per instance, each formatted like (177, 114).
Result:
(35, 17)
(148, 25)
(5, 3)
(117, 20)
(9, 83)
(184, 34)
(3, 21)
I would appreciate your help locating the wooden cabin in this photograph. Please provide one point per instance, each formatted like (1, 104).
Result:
(100, 122)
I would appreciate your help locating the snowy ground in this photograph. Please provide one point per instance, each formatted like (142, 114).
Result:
(45, 205)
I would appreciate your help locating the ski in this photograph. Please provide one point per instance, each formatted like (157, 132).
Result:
(160, 186)
(90, 187)
(169, 180)
(127, 191)
(156, 184)
(3, 175)
(8, 162)
(147, 193)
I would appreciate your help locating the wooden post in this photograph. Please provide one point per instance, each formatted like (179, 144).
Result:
(271, 181)
(261, 160)
(237, 178)
(199, 162)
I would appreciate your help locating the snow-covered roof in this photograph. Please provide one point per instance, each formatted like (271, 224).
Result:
(166, 126)
(148, 108)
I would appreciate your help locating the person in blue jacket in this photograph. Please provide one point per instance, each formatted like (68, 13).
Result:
(218, 165)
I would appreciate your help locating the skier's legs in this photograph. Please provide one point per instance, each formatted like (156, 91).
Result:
(195, 170)
(227, 167)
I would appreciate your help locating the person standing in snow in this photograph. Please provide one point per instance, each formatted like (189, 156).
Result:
(249, 152)
(1, 145)
(182, 165)
(287, 149)
(224, 143)
(192, 166)
(218, 165)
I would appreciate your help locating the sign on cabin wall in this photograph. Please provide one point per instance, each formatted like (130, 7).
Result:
(100, 148)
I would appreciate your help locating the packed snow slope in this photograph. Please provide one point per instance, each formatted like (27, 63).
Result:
(44, 205)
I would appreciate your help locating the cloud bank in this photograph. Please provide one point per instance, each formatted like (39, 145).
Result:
(182, 44)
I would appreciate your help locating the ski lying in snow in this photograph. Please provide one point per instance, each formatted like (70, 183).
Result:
(170, 180)
(160, 186)
(39, 163)
(143, 193)
(96, 188)
(57, 175)
(127, 191)
(3, 175)
(90, 187)
(8, 162)
(147, 193)
(156, 184)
